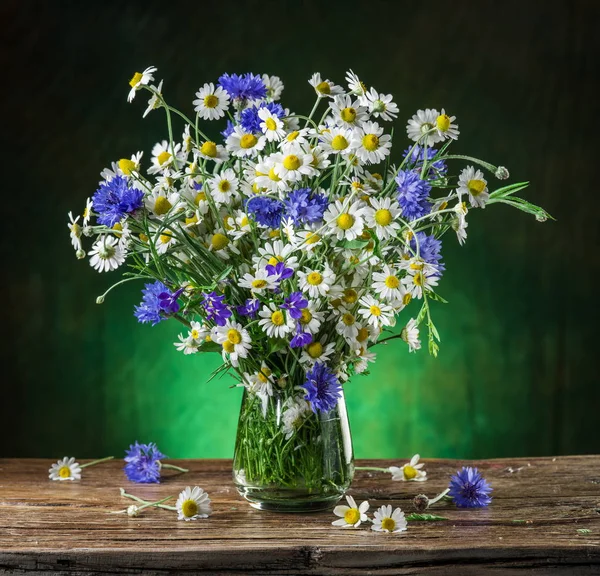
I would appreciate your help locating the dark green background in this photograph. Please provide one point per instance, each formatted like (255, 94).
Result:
(517, 372)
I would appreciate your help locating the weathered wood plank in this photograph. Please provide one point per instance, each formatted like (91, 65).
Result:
(531, 527)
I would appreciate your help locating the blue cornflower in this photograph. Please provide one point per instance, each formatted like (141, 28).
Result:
(249, 308)
(301, 338)
(415, 157)
(250, 120)
(266, 211)
(143, 463)
(322, 387)
(114, 199)
(228, 129)
(470, 489)
(158, 301)
(214, 308)
(305, 207)
(294, 304)
(280, 271)
(243, 87)
(429, 249)
(413, 195)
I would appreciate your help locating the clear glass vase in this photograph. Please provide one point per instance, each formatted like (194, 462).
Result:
(291, 462)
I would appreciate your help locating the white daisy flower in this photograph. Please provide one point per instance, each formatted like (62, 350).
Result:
(140, 79)
(155, 100)
(193, 503)
(294, 139)
(294, 165)
(224, 186)
(355, 86)
(346, 112)
(380, 105)
(211, 151)
(107, 254)
(266, 178)
(211, 102)
(275, 322)
(352, 515)
(258, 282)
(160, 202)
(311, 320)
(382, 217)
(87, 211)
(473, 183)
(419, 280)
(274, 252)
(412, 471)
(220, 244)
(387, 521)
(65, 469)
(308, 240)
(370, 143)
(316, 282)
(320, 160)
(410, 334)
(345, 222)
(324, 88)
(294, 415)
(422, 127)
(337, 140)
(234, 339)
(317, 351)
(164, 155)
(274, 87)
(445, 126)
(347, 325)
(376, 313)
(261, 384)
(186, 344)
(387, 284)
(164, 241)
(271, 125)
(242, 225)
(75, 231)
(364, 357)
(243, 144)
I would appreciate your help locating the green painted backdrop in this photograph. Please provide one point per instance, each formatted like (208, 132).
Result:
(517, 373)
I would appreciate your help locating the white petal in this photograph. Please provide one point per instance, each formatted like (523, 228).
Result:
(341, 510)
(414, 460)
(340, 522)
(363, 507)
(351, 501)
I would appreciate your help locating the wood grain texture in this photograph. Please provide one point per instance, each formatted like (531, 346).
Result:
(531, 527)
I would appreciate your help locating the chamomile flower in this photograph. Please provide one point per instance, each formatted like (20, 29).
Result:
(459, 224)
(87, 211)
(221, 244)
(209, 150)
(161, 202)
(65, 469)
(355, 86)
(347, 325)
(224, 186)
(243, 144)
(387, 284)
(409, 472)
(275, 322)
(370, 144)
(211, 103)
(352, 515)
(155, 100)
(376, 313)
(311, 320)
(346, 112)
(385, 520)
(445, 126)
(140, 79)
(418, 280)
(266, 179)
(165, 241)
(422, 127)
(410, 334)
(363, 359)
(316, 282)
(324, 88)
(186, 344)
(294, 165)
(337, 140)
(294, 139)
(345, 221)
(259, 282)
(317, 351)
(274, 87)
(271, 125)
(107, 254)
(165, 155)
(320, 160)
(192, 504)
(271, 253)
(473, 183)
(382, 216)
(295, 412)
(234, 339)
(380, 105)
(75, 231)
(308, 240)
(261, 383)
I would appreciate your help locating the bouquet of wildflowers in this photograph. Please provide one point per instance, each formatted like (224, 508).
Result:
(289, 244)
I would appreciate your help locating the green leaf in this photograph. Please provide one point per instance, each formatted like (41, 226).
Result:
(424, 518)
(508, 190)
(355, 244)
(584, 531)
(210, 347)
(436, 297)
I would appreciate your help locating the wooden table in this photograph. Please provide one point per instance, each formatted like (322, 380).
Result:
(544, 519)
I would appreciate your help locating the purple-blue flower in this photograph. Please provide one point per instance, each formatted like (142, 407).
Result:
(249, 308)
(304, 206)
(280, 271)
(470, 489)
(244, 86)
(415, 155)
(323, 389)
(214, 308)
(114, 199)
(250, 120)
(266, 211)
(301, 338)
(228, 129)
(294, 304)
(143, 463)
(157, 302)
(429, 249)
(413, 195)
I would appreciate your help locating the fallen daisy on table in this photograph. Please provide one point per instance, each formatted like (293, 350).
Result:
(70, 469)
(352, 515)
(193, 503)
(409, 472)
(384, 520)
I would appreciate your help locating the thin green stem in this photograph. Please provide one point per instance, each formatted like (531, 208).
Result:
(173, 467)
(94, 462)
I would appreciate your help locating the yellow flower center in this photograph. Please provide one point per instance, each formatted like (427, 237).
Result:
(291, 162)
(270, 124)
(262, 377)
(339, 143)
(350, 296)
(195, 334)
(228, 346)
(312, 238)
(163, 157)
(135, 80)
(409, 472)
(476, 187)
(126, 166)
(76, 230)
(418, 279)
(228, 222)
(162, 206)
(219, 241)
(348, 115)
(345, 221)
(352, 516)
(383, 217)
(274, 260)
(118, 227)
(306, 316)
(388, 524)
(314, 349)
(314, 278)
(375, 310)
(323, 88)
(392, 282)
(292, 136)
(443, 205)
(143, 237)
(211, 101)
(363, 334)
(248, 141)
(370, 142)
(64, 472)
(166, 237)
(224, 186)
(273, 176)
(234, 336)
(244, 221)
(348, 319)
(209, 149)
(259, 283)
(189, 508)
(406, 299)
(277, 318)
(443, 122)
(200, 197)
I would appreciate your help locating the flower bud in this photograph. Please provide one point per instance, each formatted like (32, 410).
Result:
(132, 511)
(541, 217)
(502, 173)
(421, 502)
(100, 300)
(80, 254)
(87, 231)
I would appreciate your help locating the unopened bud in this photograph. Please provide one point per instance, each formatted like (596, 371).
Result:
(100, 300)
(132, 511)
(541, 217)
(87, 231)
(80, 254)
(502, 173)
(421, 502)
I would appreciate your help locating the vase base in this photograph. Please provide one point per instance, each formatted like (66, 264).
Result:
(309, 503)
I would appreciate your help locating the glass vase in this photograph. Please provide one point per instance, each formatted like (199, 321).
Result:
(291, 462)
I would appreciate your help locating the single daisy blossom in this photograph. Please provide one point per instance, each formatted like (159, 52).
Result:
(192, 504)
(324, 88)
(234, 339)
(422, 127)
(351, 516)
(370, 144)
(376, 313)
(412, 471)
(243, 144)
(445, 126)
(65, 469)
(140, 79)
(410, 334)
(387, 521)
(275, 322)
(382, 216)
(346, 112)
(473, 183)
(107, 254)
(343, 221)
(380, 105)
(316, 282)
(271, 125)
(211, 103)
